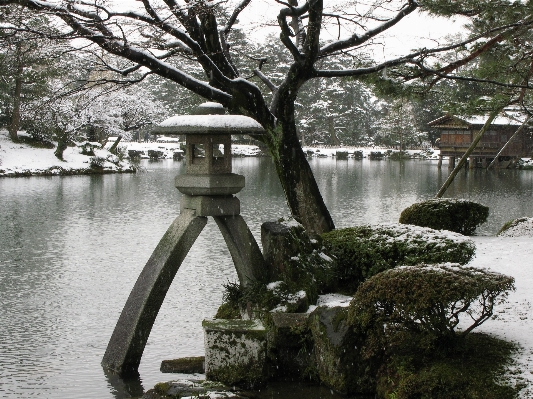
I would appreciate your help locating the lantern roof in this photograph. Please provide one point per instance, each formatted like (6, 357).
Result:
(209, 118)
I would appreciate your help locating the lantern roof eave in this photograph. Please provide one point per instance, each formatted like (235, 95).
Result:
(209, 124)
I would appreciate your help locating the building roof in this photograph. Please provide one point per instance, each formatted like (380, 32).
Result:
(507, 119)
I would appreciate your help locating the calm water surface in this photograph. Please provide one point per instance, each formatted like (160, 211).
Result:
(71, 249)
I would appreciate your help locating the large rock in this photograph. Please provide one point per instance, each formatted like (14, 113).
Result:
(339, 363)
(282, 241)
(290, 350)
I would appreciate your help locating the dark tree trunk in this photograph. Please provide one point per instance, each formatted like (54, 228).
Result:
(301, 190)
(61, 147)
(15, 116)
(300, 187)
(113, 148)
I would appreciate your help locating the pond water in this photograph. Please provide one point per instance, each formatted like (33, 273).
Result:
(72, 247)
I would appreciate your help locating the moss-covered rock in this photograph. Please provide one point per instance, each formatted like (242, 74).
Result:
(298, 272)
(363, 251)
(185, 365)
(460, 216)
(290, 349)
(337, 355)
(235, 352)
(192, 389)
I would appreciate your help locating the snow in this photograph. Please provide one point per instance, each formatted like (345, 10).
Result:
(331, 300)
(187, 123)
(512, 321)
(520, 228)
(331, 151)
(20, 158)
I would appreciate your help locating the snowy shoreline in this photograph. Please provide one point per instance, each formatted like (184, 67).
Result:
(22, 160)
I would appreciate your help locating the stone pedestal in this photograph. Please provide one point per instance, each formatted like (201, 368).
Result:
(235, 352)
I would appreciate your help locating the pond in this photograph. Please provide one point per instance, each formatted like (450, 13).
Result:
(72, 247)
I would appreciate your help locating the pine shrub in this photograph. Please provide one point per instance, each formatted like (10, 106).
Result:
(363, 251)
(423, 304)
(460, 216)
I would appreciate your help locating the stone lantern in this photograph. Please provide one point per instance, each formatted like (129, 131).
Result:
(208, 188)
(208, 184)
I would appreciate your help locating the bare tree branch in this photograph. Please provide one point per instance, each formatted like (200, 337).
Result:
(356, 40)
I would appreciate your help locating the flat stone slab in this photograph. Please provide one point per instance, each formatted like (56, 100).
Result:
(192, 389)
(209, 184)
(211, 206)
(186, 365)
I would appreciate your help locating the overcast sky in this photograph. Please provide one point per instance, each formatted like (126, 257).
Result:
(414, 31)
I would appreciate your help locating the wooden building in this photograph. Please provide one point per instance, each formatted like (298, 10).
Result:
(456, 135)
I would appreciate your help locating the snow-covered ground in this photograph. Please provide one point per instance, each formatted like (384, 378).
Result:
(512, 321)
(22, 159)
(327, 151)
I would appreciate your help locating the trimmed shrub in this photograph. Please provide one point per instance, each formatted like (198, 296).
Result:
(460, 216)
(423, 304)
(155, 154)
(470, 368)
(363, 251)
(517, 228)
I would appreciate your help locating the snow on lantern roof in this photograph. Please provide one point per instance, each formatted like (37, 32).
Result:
(210, 105)
(210, 122)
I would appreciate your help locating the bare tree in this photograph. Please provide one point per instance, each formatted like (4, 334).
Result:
(152, 36)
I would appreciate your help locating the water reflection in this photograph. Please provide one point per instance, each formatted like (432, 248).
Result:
(71, 249)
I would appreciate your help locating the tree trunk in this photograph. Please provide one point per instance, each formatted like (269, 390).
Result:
(15, 116)
(297, 180)
(113, 148)
(61, 147)
(508, 142)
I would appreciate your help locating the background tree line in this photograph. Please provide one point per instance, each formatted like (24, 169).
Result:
(317, 76)
(58, 93)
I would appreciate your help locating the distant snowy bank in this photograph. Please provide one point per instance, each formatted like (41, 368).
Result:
(21, 159)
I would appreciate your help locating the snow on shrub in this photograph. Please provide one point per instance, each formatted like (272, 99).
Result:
(427, 301)
(456, 215)
(363, 251)
(101, 157)
(522, 227)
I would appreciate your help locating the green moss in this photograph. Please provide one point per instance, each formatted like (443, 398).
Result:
(469, 368)
(228, 311)
(459, 216)
(162, 388)
(248, 376)
(363, 251)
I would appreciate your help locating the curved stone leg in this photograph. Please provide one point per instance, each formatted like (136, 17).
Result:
(243, 248)
(127, 343)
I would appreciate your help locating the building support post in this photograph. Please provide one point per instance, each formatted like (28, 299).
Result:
(451, 162)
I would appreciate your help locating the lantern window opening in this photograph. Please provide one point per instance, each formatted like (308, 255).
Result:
(198, 153)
